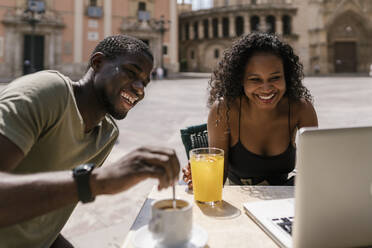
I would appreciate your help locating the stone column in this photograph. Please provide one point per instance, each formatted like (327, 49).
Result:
(201, 29)
(261, 23)
(191, 31)
(10, 44)
(52, 45)
(59, 42)
(325, 66)
(220, 31)
(210, 27)
(17, 50)
(247, 24)
(173, 30)
(107, 21)
(278, 25)
(78, 31)
(232, 32)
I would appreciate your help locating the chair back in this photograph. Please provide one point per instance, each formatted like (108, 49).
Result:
(194, 137)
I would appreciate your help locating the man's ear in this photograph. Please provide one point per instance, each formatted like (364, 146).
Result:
(96, 61)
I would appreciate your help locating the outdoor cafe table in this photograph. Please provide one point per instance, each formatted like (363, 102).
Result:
(227, 225)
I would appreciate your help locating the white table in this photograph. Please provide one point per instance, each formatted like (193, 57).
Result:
(228, 226)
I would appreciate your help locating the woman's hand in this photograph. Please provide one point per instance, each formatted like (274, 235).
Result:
(187, 176)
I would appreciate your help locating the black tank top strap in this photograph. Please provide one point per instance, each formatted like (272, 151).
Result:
(240, 110)
(289, 123)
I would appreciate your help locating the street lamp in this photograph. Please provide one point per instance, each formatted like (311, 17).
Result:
(32, 16)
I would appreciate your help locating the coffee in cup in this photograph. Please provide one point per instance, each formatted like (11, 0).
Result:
(170, 226)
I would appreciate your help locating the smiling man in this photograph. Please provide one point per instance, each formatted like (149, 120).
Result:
(55, 134)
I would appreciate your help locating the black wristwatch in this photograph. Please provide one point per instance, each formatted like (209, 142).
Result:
(81, 175)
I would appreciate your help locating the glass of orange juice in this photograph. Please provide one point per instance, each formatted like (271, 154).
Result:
(207, 174)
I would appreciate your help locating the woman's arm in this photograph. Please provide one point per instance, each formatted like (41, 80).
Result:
(218, 131)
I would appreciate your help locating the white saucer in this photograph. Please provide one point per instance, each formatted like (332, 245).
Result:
(142, 238)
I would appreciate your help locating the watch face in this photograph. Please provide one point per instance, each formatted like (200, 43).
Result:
(81, 176)
(83, 169)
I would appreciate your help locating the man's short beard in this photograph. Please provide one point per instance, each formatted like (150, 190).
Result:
(110, 107)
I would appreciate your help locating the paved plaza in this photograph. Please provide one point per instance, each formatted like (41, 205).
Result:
(173, 104)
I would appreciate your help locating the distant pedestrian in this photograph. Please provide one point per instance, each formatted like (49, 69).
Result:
(26, 67)
(153, 74)
(317, 68)
(370, 70)
(160, 73)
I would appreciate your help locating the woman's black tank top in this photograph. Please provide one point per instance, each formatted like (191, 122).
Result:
(246, 167)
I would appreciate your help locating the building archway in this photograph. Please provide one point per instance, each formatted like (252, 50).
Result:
(348, 43)
(18, 33)
(150, 32)
(33, 45)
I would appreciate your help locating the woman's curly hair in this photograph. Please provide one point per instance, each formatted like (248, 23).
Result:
(227, 79)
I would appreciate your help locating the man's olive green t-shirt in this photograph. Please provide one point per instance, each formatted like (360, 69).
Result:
(38, 113)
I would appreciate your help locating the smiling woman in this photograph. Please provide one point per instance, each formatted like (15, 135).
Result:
(257, 102)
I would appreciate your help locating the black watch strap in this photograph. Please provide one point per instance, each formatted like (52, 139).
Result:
(81, 176)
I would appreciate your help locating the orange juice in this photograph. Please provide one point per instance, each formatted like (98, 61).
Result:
(207, 176)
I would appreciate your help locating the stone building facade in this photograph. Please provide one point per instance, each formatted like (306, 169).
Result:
(62, 34)
(330, 36)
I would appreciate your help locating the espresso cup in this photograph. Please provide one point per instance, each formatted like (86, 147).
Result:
(171, 227)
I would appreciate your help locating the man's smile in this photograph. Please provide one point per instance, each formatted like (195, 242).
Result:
(128, 98)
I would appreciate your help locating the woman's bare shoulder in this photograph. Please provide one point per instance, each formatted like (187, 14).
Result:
(304, 112)
(226, 114)
(301, 106)
(222, 106)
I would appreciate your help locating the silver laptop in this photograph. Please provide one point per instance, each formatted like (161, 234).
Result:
(333, 192)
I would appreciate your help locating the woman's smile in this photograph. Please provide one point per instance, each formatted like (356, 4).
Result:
(266, 98)
(264, 82)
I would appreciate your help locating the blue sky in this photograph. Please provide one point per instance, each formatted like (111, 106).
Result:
(198, 4)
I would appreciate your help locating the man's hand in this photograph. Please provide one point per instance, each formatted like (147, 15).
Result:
(142, 163)
(47, 191)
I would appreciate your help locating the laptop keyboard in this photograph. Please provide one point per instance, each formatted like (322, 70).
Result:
(285, 223)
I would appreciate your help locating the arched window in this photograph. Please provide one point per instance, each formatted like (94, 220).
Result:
(215, 27)
(239, 25)
(255, 22)
(192, 54)
(216, 53)
(187, 31)
(270, 24)
(196, 31)
(206, 28)
(287, 25)
(225, 27)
